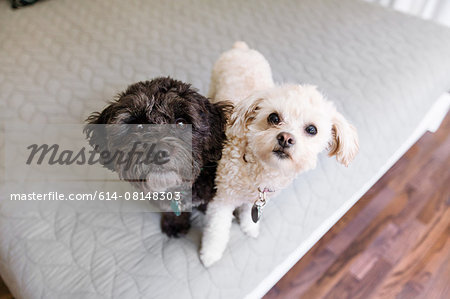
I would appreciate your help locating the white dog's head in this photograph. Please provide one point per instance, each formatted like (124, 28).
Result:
(287, 126)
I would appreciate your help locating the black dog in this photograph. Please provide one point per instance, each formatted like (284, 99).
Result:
(166, 101)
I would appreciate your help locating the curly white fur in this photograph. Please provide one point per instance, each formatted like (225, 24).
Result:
(250, 159)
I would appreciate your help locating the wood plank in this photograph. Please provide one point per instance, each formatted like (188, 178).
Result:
(440, 286)
(417, 266)
(363, 287)
(312, 272)
(4, 292)
(361, 221)
(365, 262)
(343, 289)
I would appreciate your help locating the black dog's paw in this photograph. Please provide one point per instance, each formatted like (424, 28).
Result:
(175, 226)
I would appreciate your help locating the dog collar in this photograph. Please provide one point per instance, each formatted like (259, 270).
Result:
(259, 204)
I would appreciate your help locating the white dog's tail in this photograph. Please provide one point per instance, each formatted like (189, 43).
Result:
(240, 45)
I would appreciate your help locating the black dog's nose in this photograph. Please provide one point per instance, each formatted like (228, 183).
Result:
(285, 139)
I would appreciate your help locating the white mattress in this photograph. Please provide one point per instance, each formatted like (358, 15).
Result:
(60, 60)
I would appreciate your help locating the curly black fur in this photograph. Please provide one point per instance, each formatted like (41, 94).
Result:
(162, 101)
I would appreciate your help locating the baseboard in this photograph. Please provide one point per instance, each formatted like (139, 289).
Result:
(438, 112)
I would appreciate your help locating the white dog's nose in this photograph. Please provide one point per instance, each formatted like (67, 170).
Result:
(285, 139)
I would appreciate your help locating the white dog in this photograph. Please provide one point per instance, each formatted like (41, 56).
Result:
(274, 133)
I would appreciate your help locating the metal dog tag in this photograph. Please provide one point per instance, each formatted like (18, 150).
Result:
(258, 206)
(175, 206)
(256, 212)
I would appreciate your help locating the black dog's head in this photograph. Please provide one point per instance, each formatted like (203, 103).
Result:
(160, 101)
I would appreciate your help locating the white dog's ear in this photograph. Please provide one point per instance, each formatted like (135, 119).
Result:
(344, 142)
(243, 113)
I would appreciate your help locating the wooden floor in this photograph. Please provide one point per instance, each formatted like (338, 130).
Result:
(394, 243)
(4, 292)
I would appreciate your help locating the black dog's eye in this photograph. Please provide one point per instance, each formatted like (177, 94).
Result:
(311, 130)
(273, 119)
(181, 123)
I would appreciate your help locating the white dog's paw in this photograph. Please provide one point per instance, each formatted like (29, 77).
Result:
(250, 229)
(209, 257)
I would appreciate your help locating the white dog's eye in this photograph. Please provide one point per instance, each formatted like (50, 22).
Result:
(273, 119)
(311, 130)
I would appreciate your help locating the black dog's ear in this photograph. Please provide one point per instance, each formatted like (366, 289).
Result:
(218, 116)
(95, 130)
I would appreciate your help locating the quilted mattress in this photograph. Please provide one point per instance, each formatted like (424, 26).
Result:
(60, 60)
